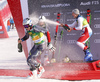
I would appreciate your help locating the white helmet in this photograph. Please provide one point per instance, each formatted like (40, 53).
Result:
(42, 19)
(76, 11)
(27, 21)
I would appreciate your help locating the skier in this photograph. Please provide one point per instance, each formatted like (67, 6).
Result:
(42, 22)
(8, 25)
(81, 24)
(11, 22)
(44, 57)
(37, 34)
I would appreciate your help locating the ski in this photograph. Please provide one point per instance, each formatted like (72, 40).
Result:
(53, 60)
(89, 21)
(61, 34)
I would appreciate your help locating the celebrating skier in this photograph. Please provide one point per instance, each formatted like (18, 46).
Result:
(42, 22)
(81, 24)
(44, 57)
(37, 34)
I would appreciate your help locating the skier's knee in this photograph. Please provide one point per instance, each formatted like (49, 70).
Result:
(31, 62)
(32, 59)
(78, 43)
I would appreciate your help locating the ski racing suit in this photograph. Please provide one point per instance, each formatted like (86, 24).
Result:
(37, 35)
(87, 31)
(83, 25)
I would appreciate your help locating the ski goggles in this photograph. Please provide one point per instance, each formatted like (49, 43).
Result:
(26, 26)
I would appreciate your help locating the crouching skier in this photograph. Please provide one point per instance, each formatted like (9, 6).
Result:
(81, 24)
(37, 35)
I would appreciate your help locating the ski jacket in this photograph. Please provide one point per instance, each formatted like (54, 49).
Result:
(37, 35)
(80, 24)
(11, 20)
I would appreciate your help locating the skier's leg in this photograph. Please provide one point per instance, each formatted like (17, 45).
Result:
(81, 43)
(44, 58)
(33, 65)
(41, 49)
(44, 54)
(31, 61)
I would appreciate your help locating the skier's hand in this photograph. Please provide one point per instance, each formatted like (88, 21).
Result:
(19, 40)
(70, 29)
(61, 24)
(51, 47)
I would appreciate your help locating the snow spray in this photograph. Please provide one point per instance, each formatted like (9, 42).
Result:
(51, 22)
(36, 19)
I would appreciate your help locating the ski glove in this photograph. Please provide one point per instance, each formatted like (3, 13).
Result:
(51, 47)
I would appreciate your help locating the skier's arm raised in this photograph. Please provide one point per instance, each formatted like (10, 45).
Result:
(66, 27)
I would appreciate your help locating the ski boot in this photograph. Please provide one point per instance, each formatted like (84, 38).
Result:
(32, 74)
(40, 70)
(88, 56)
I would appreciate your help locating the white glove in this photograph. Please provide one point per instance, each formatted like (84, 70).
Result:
(51, 47)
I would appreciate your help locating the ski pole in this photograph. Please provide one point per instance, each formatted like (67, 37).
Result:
(61, 33)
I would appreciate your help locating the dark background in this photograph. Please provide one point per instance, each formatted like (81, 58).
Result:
(50, 8)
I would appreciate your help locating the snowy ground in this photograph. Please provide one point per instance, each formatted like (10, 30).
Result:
(10, 58)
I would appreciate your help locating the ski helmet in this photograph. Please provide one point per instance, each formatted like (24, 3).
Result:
(76, 11)
(27, 22)
(42, 19)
